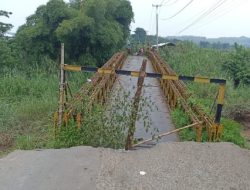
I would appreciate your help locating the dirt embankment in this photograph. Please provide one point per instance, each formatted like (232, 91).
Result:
(243, 117)
(6, 141)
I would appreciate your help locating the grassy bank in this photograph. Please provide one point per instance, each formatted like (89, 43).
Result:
(187, 59)
(28, 99)
(28, 102)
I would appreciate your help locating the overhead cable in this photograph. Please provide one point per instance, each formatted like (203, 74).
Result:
(208, 12)
(189, 3)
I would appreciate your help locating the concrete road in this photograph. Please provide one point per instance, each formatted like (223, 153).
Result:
(157, 112)
(188, 166)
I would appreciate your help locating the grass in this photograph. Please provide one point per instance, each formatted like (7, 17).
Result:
(180, 119)
(187, 59)
(232, 133)
(28, 99)
(26, 104)
(232, 129)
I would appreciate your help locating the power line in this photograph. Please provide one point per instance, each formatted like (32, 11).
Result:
(222, 13)
(205, 13)
(208, 12)
(171, 3)
(162, 2)
(177, 13)
(217, 14)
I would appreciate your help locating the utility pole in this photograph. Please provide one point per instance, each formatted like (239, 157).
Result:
(157, 24)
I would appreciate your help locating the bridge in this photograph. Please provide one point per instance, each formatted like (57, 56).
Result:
(146, 76)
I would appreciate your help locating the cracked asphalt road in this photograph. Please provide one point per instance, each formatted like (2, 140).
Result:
(176, 165)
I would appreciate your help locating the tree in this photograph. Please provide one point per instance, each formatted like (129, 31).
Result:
(238, 65)
(4, 27)
(94, 28)
(7, 57)
(100, 29)
(37, 37)
(140, 35)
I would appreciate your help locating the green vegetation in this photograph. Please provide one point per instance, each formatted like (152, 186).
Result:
(232, 133)
(238, 66)
(27, 102)
(92, 31)
(104, 126)
(180, 119)
(220, 43)
(4, 27)
(188, 59)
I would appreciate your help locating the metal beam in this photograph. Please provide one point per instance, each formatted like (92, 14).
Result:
(149, 75)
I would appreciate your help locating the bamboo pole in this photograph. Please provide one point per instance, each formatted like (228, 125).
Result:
(167, 133)
(62, 88)
(135, 108)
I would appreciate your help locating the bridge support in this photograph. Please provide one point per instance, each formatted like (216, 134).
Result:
(217, 128)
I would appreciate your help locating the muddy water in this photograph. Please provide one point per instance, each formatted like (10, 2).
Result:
(157, 112)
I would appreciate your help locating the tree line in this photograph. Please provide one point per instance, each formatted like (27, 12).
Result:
(91, 30)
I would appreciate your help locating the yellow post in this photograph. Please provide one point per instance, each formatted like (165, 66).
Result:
(220, 102)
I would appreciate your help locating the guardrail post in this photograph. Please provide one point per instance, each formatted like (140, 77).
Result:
(135, 107)
(220, 103)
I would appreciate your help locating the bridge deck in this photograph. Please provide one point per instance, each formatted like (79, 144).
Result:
(159, 115)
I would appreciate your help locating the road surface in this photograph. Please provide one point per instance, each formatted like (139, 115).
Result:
(159, 115)
(169, 165)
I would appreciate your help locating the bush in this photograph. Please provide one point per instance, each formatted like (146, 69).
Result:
(232, 132)
(238, 65)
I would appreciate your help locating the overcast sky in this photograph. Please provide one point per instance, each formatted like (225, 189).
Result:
(210, 18)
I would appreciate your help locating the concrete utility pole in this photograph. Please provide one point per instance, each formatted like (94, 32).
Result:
(157, 24)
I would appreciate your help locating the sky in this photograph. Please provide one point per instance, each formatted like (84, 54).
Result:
(210, 18)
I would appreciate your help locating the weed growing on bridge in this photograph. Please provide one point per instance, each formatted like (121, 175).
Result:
(105, 126)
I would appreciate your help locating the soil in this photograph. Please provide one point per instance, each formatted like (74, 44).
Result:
(6, 141)
(244, 119)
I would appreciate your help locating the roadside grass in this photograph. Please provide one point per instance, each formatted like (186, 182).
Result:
(188, 59)
(180, 119)
(26, 103)
(232, 129)
(28, 99)
(232, 133)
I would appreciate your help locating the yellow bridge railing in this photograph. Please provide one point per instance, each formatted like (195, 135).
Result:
(172, 85)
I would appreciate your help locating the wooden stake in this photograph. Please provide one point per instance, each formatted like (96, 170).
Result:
(62, 88)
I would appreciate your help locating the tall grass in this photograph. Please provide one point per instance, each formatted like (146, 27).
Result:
(188, 59)
(28, 98)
